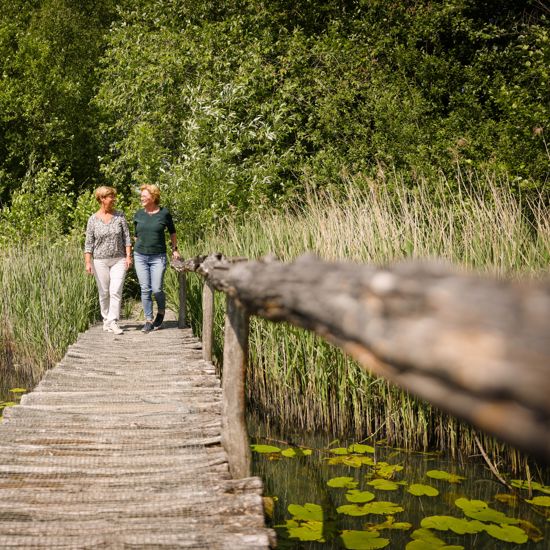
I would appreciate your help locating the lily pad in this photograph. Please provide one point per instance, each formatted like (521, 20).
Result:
(445, 476)
(540, 501)
(385, 470)
(264, 449)
(360, 448)
(533, 532)
(352, 460)
(420, 490)
(507, 533)
(379, 507)
(460, 526)
(424, 539)
(383, 484)
(356, 496)
(521, 484)
(307, 512)
(363, 540)
(510, 500)
(342, 482)
(18, 390)
(292, 453)
(479, 509)
(305, 531)
(339, 451)
(390, 523)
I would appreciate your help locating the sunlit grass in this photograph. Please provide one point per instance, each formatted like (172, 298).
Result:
(47, 299)
(307, 384)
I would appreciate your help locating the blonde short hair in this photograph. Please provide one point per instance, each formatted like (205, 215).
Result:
(103, 191)
(153, 190)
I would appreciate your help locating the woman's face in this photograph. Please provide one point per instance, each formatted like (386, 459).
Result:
(146, 199)
(108, 201)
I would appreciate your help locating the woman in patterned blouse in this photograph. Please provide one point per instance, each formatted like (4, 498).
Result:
(108, 255)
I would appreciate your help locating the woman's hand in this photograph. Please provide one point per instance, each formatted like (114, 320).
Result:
(128, 262)
(89, 268)
(176, 255)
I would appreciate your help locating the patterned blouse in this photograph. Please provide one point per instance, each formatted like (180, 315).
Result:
(107, 240)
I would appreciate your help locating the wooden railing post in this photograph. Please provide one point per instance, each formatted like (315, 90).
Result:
(207, 320)
(235, 356)
(183, 299)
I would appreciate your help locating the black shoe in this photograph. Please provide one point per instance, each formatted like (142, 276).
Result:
(147, 327)
(157, 323)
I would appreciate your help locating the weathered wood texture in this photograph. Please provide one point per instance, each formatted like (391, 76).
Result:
(207, 321)
(119, 446)
(235, 358)
(474, 346)
(182, 310)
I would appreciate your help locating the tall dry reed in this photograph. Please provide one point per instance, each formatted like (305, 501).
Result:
(307, 384)
(47, 299)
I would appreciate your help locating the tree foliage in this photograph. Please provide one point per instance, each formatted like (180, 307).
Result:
(241, 105)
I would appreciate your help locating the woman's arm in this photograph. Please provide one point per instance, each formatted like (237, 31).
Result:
(88, 260)
(89, 245)
(174, 245)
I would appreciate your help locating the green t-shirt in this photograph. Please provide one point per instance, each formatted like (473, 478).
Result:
(149, 231)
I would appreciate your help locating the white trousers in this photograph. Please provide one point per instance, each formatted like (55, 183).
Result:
(109, 275)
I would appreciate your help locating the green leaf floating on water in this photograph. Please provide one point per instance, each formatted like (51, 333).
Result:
(363, 540)
(460, 526)
(446, 476)
(18, 390)
(390, 523)
(521, 484)
(533, 532)
(383, 484)
(381, 507)
(305, 530)
(342, 482)
(309, 530)
(540, 501)
(507, 533)
(360, 448)
(264, 449)
(420, 490)
(292, 453)
(479, 509)
(351, 460)
(339, 451)
(354, 495)
(307, 512)
(385, 470)
(424, 539)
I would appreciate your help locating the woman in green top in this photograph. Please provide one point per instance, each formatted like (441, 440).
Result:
(150, 253)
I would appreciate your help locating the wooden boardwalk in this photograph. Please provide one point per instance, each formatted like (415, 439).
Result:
(119, 446)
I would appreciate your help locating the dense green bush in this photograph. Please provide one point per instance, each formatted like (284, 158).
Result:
(247, 106)
(240, 106)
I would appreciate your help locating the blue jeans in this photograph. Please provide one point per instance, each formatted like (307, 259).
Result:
(150, 270)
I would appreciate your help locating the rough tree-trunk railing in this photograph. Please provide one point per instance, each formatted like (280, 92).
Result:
(476, 347)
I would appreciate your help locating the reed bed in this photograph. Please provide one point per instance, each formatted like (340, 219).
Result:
(302, 383)
(47, 299)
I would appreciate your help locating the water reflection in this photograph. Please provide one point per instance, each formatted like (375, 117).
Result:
(304, 480)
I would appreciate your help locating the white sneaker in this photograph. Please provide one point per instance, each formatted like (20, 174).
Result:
(106, 325)
(113, 327)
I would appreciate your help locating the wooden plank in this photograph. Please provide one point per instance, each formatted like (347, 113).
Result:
(116, 448)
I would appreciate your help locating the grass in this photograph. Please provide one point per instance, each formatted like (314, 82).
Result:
(47, 299)
(307, 384)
